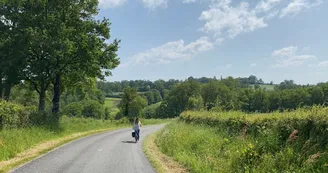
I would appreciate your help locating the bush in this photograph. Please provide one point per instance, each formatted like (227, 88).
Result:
(151, 111)
(107, 114)
(297, 140)
(14, 115)
(73, 109)
(93, 109)
(195, 103)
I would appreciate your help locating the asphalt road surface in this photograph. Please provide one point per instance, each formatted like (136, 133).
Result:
(110, 152)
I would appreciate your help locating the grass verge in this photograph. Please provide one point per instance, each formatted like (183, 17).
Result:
(236, 142)
(18, 146)
(160, 161)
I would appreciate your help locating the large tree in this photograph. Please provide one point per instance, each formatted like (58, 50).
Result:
(12, 61)
(66, 44)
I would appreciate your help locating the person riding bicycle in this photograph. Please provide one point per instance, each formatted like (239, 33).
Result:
(136, 128)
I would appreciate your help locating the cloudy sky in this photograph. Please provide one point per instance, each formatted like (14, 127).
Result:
(272, 39)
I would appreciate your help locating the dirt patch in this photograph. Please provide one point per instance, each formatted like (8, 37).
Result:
(161, 162)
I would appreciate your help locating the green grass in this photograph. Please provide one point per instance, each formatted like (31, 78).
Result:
(15, 141)
(216, 142)
(111, 104)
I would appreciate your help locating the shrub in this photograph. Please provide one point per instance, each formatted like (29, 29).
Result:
(301, 133)
(73, 109)
(92, 109)
(195, 103)
(107, 114)
(151, 111)
(14, 115)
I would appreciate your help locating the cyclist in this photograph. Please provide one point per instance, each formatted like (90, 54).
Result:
(136, 128)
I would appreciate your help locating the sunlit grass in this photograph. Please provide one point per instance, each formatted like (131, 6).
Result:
(238, 142)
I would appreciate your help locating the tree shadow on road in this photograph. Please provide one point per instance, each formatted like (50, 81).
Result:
(129, 142)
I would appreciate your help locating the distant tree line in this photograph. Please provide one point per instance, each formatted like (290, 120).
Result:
(231, 94)
(111, 88)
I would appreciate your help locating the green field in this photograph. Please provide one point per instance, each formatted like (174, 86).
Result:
(111, 104)
(237, 142)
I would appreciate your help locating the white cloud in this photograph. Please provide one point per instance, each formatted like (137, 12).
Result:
(323, 64)
(111, 3)
(297, 6)
(287, 51)
(222, 17)
(266, 5)
(172, 52)
(153, 4)
(253, 65)
(219, 40)
(287, 57)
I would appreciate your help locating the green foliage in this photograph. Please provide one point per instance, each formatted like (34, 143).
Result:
(151, 111)
(136, 106)
(153, 96)
(129, 95)
(237, 142)
(14, 115)
(93, 109)
(73, 109)
(195, 103)
(55, 47)
(23, 94)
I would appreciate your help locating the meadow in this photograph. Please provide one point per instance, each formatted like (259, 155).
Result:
(111, 104)
(236, 142)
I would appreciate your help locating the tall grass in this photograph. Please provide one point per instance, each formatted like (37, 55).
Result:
(237, 142)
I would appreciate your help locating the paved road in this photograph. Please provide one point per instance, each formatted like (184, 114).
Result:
(106, 152)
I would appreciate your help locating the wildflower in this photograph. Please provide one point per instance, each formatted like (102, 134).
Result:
(250, 145)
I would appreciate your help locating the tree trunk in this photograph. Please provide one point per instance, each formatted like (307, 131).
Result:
(42, 99)
(56, 98)
(7, 90)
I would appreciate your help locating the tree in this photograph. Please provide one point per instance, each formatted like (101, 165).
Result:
(210, 93)
(157, 96)
(286, 84)
(260, 101)
(65, 45)
(178, 98)
(12, 61)
(317, 96)
(150, 97)
(136, 106)
(129, 95)
(252, 79)
(195, 103)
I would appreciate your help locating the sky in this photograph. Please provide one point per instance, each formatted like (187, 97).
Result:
(174, 39)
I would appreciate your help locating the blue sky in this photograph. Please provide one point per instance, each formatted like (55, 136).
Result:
(175, 39)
